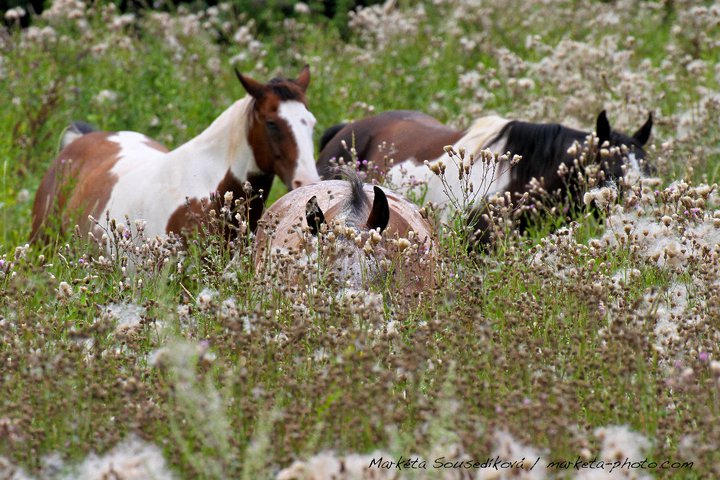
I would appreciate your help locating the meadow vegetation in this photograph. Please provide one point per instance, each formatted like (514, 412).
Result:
(592, 339)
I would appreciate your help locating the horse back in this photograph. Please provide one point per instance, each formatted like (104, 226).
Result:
(79, 182)
(389, 138)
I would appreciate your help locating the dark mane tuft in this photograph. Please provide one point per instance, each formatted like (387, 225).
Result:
(286, 89)
(358, 203)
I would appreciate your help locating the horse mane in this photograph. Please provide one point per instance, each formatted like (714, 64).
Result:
(542, 146)
(357, 204)
(286, 89)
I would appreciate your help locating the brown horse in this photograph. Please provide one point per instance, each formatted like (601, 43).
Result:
(267, 133)
(398, 143)
(361, 234)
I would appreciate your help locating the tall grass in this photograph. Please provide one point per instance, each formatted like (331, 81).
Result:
(550, 337)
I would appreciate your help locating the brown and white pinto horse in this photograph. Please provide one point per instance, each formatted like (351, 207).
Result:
(127, 174)
(397, 143)
(360, 234)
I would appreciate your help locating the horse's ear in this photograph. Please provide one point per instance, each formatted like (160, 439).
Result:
(314, 215)
(304, 78)
(253, 87)
(380, 212)
(643, 135)
(602, 129)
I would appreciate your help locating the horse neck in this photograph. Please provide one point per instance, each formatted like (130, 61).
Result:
(223, 146)
(542, 146)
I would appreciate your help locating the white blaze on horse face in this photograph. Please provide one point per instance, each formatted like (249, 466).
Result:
(634, 164)
(301, 123)
(633, 173)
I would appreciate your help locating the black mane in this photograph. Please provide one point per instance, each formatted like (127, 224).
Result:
(542, 146)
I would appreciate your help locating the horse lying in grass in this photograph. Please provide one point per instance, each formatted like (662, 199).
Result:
(127, 174)
(551, 169)
(360, 235)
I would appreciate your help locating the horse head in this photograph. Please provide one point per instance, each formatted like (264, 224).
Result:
(620, 154)
(280, 133)
(356, 236)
